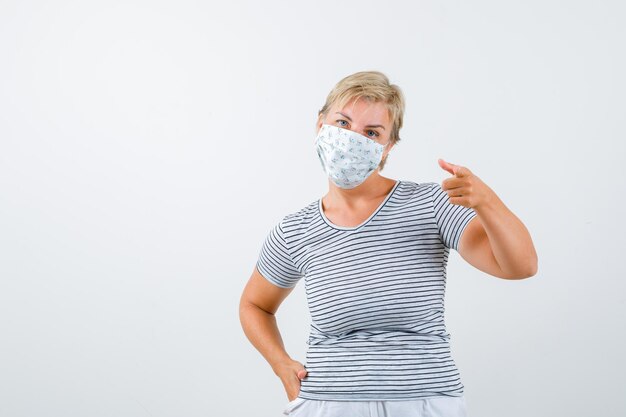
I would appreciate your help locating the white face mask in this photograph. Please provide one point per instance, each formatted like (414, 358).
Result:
(347, 157)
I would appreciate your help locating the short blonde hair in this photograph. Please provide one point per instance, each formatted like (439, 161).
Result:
(374, 86)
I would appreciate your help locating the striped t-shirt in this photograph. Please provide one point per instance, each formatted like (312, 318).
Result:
(375, 294)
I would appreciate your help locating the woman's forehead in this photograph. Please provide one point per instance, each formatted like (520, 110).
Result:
(374, 111)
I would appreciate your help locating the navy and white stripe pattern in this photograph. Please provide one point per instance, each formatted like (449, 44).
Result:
(375, 294)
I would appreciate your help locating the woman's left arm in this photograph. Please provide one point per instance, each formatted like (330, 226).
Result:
(495, 241)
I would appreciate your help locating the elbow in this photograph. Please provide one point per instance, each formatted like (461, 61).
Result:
(532, 269)
(529, 271)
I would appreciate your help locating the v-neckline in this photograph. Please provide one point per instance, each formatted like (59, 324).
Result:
(363, 223)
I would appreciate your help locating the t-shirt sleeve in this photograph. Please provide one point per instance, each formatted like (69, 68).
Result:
(451, 218)
(275, 262)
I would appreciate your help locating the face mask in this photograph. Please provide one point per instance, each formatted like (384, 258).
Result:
(347, 157)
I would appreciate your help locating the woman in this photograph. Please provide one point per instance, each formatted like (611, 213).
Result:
(373, 252)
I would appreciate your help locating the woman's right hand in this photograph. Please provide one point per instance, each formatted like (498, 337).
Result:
(291, 373)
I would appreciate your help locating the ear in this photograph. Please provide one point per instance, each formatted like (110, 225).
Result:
(320, 121)
(318, 125)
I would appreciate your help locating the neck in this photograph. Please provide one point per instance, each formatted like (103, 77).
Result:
(372, 188)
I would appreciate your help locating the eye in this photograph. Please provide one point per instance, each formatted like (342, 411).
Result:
(341, 120)
(376, 134)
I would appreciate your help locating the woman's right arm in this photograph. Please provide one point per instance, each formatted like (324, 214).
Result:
(259, 302)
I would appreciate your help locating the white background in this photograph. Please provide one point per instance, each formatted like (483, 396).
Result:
(147, 148)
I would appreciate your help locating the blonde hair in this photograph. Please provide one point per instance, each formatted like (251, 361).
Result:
(373, 86)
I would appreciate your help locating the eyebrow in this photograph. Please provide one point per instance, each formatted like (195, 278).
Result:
(348, 117)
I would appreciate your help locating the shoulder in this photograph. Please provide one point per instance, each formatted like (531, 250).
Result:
(413, 190)
(299, 220)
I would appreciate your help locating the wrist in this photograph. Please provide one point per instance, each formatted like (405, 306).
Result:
(279, 365)
(488, 203)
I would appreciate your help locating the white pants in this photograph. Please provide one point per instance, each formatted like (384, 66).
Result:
(443, 406)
